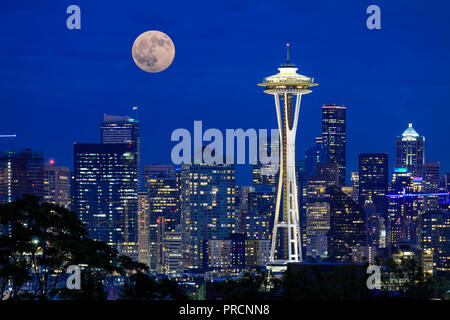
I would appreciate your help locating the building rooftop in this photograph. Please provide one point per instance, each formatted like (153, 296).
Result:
(410, 132)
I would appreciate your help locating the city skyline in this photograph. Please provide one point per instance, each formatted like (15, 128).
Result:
(399, 95)
(141, 157)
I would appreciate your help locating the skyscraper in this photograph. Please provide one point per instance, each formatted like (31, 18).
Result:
(347, 226)
(267, 174)
(373, 180)
(258, 223)
(104, 193)
(207, 209)
(56, 185)
(118, 129)
(314, 155)
(334, 135)
(410, 151)
(287, 87)
(172, 259)
(164, 201)
(318, 208)
(143, 225)
(435, 236)
(405, 206)
(21, 172)
(158, 170)
(431, 179)
(161, 183)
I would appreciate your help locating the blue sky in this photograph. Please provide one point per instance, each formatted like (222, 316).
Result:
(56, 83)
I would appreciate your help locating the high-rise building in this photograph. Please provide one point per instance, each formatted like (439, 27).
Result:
(287, 86)
(158, 170)
(410, 151)
(405, 206)
(375, 225)
(302, 187)
(347, 226)
(334, 135)
(329, 172)
(431, 179)
(227, 255)
(164, 200)
(314, 155)
(119, 129)
(258, 222)
(267, 174)
(355, 182)
(242, 208)
(143, 225)
(56, 185)
(104, 193)
(435, 237)
(317, 227)
(374, 180)
(207, 209)
(318, 209)
(21, 172)
(257, 253)
(161, 184)
(172, 259)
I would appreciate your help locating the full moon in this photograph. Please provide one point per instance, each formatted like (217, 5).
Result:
(153, 51)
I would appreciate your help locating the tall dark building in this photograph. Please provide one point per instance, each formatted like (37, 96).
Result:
(118, 129)
(374, 180)
(258, 223)
(104, 193)
(21, 172)
(334, 135)
(410, 151)
(347, 226)
(302, 187)
(432, 179)
(314, 155)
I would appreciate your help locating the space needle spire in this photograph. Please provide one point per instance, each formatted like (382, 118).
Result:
(287, 87)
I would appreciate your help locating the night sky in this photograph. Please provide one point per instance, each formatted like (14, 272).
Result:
(56, 83)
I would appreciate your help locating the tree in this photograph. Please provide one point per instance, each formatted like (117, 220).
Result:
(405, 279)
(41, 241)
(248, 287)
(140, 286)
(344, 283)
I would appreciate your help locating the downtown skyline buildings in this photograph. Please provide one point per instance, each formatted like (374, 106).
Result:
(195, 205)
(321, 210)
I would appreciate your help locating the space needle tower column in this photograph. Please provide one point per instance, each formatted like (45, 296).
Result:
(287, 87)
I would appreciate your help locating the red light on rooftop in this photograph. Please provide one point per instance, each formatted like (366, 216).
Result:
(51, 162)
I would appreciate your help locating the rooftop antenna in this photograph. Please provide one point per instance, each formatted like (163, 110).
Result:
(135, 109)
(287, 52)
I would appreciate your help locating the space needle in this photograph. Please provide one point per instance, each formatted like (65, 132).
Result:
(287, 87)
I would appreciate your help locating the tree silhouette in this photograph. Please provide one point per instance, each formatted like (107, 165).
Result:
(40, 241)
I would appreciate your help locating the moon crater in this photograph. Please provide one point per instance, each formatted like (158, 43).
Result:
(153, 51)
